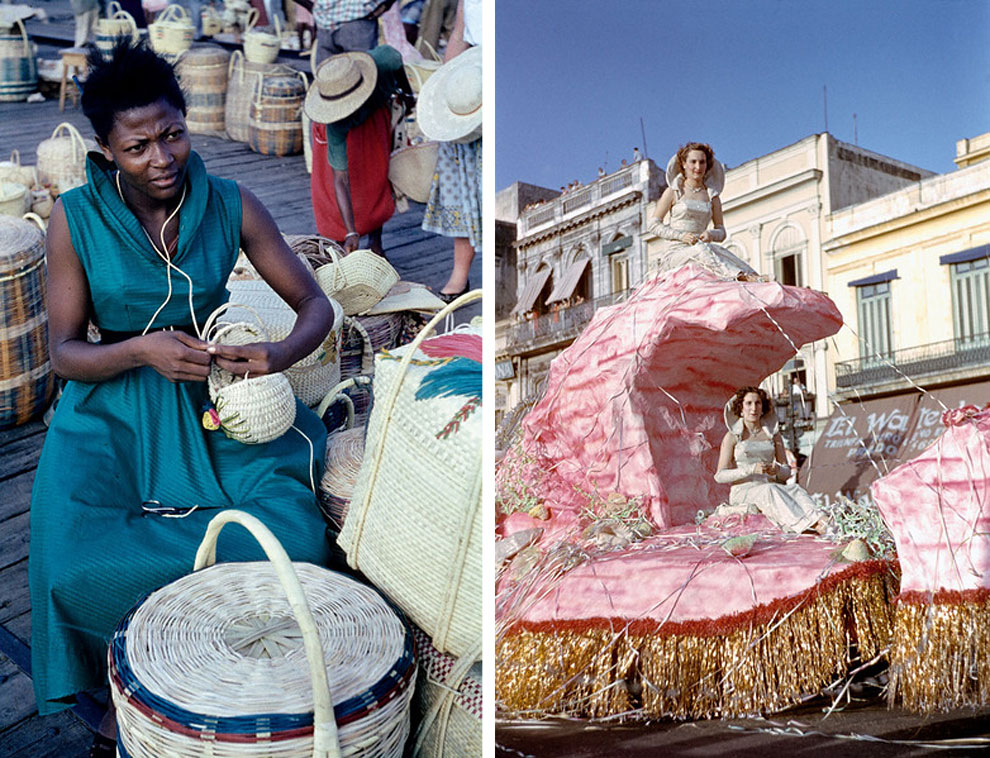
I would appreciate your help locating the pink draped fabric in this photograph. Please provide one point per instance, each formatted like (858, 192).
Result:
(938, 508)
(634, 405)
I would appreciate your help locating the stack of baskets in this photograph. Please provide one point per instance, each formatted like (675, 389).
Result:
(171, 34)
(244, 80)
(62, 158)
(119, 25)
(202, 72)
(234, 660)
(275, 119)
(18, 68)
(26, 379)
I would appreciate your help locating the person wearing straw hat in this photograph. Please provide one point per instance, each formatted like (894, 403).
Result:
(349, 103)
(449, 111)
(694, 180)
(133, 465)
(752, 460)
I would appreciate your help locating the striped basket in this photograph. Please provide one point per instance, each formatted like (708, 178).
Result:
(18, 68)
(62, 158)
(275, 120)
(363, 337)
(237, 660)
(313, 376)
(424, 451)
(171, 34)
(243, 81)
(448, 703)
(202, 71)
(119, 25)
(26, 378)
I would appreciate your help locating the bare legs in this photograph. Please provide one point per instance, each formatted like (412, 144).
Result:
(463, 256)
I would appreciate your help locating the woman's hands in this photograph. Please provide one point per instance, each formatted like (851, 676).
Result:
(254, 359)
(690, 239)
(768, 468)
(706, 236)
(175, 355)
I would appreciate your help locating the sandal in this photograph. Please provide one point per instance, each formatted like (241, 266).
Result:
(103, 747)
(449, 297)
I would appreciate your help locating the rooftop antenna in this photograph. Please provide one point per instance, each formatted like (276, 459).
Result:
(825, 95)
(642, 129)
(855, 132)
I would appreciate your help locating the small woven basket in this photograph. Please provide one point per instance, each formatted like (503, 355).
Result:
(411, 169)
(419, 71)
(13, 171)
(253, 409)
(363, 337)
(14, 199)
(119, 25)
(313, 376)
(345, 451)
(235, 661)
(26, 378)
(212, 25)
(62, 158)
(424, 446)
(259, 46)
(358, 280)
(171, 34)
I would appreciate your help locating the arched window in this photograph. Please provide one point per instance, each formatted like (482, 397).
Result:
(788, 246)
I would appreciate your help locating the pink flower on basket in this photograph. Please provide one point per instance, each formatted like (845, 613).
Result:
(959, 416)
(211, 419)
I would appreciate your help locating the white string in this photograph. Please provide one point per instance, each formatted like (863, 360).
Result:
(312, 458)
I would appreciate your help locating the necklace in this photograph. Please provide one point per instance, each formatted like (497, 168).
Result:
(701, 188)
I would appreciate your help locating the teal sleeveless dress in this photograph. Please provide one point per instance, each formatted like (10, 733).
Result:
(119, 448)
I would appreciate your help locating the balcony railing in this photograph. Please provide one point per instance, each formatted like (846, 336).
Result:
(559, 326)
(915, 362)
(576, 200)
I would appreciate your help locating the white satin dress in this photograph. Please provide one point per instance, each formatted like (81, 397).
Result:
(694, 216)
(789, 506)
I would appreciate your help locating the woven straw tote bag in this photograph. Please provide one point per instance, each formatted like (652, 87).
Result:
(117, 26)
(448, 705)
(212, 25)
(171, 34)
(411, 169)
(259, 46)
(13, 171)
(18, 64)
(237, 660)
(253, 409)
(357, 280)
(62, 158)
(313, 376)
(419, 490)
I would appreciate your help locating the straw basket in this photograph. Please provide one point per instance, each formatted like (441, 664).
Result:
(13, 171)
(234, 661)
(261, 47)
(357, 280)
(366, 335)
(212, 25)
(171, 34)
(313, 376)
(18, 69)
(345, 450)
(419, 71)
(26, 378)
(424, 450)
(275, 120)
(448, 703)
(244, 79)
(202, 71)
(410, 169)
(119, 25)
(14, 199)
(62, 158)
(254, 409)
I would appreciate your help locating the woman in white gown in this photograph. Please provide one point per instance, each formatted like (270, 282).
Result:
(752, 460)
(694, 181)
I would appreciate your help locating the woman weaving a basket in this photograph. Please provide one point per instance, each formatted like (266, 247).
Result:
(129, 474)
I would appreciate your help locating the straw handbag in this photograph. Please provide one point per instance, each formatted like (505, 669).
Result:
(62, 158)
(212, 25)
(261, 47)
(411, 169)
(172, 32)
(424, 451)
(18, 64)
(254, 409)
(313, 376)
(357, 280)
(449, 703)
(237, 659)
(13, 171)
(117, 26)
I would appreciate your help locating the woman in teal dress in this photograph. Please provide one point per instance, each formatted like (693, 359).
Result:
(129, 476)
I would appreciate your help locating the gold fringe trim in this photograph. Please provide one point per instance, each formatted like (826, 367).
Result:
(596, 673)
(940, 659)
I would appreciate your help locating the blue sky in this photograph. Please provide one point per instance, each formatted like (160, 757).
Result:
(573, 78)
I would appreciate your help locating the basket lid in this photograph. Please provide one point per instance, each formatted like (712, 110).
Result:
(21, 244)
(204, 54)
(11, 191)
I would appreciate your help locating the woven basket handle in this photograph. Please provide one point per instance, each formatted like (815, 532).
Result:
(29, 216)
(442, 705)
(15, 157)
(367, 356)
(74, 135)
(252, 19)
(24, 36)
(278, 31)
(312, 58)
(112, 9)
(211, 320)
(235, 56)
(434, 55)
(175, 13)
(325, 741)
(338, 392)
(128, 19)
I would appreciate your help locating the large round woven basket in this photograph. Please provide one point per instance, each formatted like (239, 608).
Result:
(62, 158)
(411, 169)
(244, 79)
(357, 280)
(275, 119)
(313, 376)
(18, 68)
(26, 378)
(259, 46)
(234, 661)
(171, 34)
(202, 72)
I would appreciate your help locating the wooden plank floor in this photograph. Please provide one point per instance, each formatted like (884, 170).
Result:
(283, 186)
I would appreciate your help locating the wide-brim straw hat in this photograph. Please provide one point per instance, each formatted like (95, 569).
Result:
(407, 296)
(734, 423)
(449, 106)
(714, 177)
(341, 85)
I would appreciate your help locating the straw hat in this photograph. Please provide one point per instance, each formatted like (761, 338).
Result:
(407, 296)
(449, 107)
(340, 86)
(714, 177)
(734, 423)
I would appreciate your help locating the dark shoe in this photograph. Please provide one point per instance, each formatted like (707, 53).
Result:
(449, 297)
(103, 747)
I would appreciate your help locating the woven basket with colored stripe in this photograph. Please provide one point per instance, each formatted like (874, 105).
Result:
(18, 68)
(261, 659)
(202, 72)
(275, 118)
(243, 81)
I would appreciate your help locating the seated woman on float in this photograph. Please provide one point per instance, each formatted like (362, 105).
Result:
(752, 460)
(694, 181)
